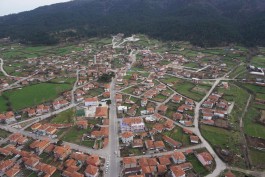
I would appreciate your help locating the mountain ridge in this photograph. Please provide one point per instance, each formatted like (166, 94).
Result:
(202, 22)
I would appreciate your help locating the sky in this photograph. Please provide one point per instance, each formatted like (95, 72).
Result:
(15, 6)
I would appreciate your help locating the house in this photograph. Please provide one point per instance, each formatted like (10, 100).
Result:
(93, 160)
(220, 113)
(194, 139)
(5, 165)
(158, 127)
(7, 118)
(122, 109)
(177, 116)
(127, 137)
(176, 99)
(164, 160)
(17, 138)
(229, 174)
(178, 157)
(107, 87)
(159, 145)
(118, 98)
(149, 144)
(39, 145)
(161, 170)
(189, 101)
(150, 110)
(91, 171)
(137, 143)
(134, 76)
(70, 173)
(205, 158)
(82, 124)
(79, 156)
(207, 116)
(106, 94)
(91, 101)
(208, 104)
(62, 152)
(102, 112)
(31, 112)
(207, 122)
(13, 171)
(148, 170)
(185, 166)
(31, 162)
(177, 171)
(129, 162)
(48, 170)
(133, 124)
(171, 142)
(162, 109)
(169, 125)
(144, 102)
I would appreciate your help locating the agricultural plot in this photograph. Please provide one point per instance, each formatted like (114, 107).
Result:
(33, 95)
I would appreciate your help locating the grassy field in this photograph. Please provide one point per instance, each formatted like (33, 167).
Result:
(259, 91)
(191, 65)
(218, 136)
(197, 166)
(187, 88)
(251, 127)
(258, 61)
(16, 51)
(237, 71)
(178, 135)
(257, 158)
(3, 106)
(74, 135)
(64, 117)
(34, 94)
(4, 134)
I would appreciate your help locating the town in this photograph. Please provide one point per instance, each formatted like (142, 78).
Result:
(131, 106)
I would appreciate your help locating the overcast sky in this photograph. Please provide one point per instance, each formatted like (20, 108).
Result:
(14, 6)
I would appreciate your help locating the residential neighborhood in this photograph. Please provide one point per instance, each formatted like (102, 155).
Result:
(126, 107)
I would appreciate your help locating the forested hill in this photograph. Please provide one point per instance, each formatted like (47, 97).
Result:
(202, 22)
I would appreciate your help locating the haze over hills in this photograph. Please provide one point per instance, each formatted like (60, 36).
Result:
(202, 22)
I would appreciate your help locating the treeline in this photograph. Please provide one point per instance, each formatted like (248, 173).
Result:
(202, 22)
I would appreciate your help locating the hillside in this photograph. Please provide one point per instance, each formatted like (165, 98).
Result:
(202, 22)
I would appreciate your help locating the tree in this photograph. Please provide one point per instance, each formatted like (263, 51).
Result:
(108, 102)
(59, 142)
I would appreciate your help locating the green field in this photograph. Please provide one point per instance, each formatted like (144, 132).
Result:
(240, 69)
(4, 134)
(178, 135)
(191, 65)
(258, 61)
(74, 135)
(251, 127)
(16, 51)
(64, 117)
(218, 136)
(197, 166)
(257, 158)
(3, 106)
(258, 91)
(187, 88)
(34, 94)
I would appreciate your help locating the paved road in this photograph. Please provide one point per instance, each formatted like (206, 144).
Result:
(113, 146)
(220, 165)
(2, 68)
